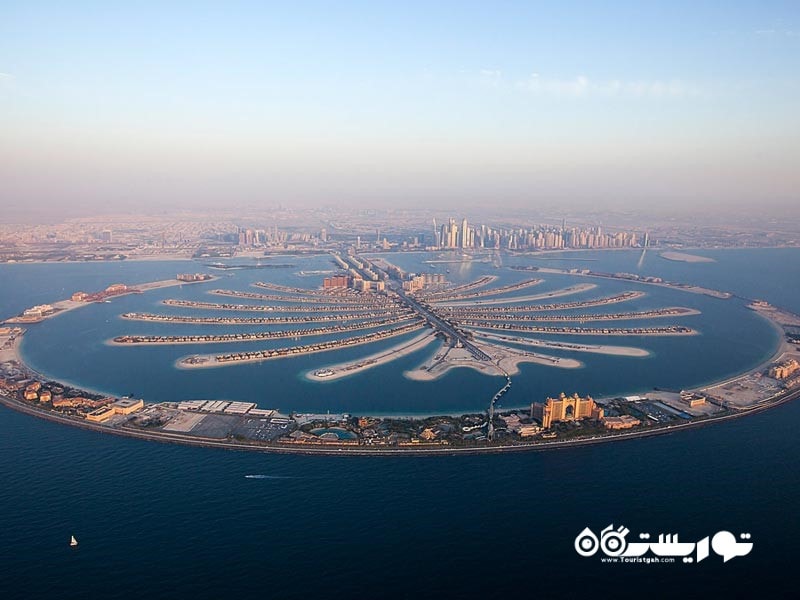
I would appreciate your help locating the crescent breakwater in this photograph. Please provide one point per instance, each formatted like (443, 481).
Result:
(82, 299)
(644, 280)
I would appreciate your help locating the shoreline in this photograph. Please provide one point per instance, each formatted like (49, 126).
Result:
(505, 361)
(783, 348)
(694, 289)
(210, 361)
(516, 357)
(131, 341)
(343, 450)
(567, 291)
(558, 306)
(628, 351)
(67, 305)
(14, 355)
(345, 369)
(685, 258)
(677, 312)
(608, 332)
(531, 253)
(456, 296)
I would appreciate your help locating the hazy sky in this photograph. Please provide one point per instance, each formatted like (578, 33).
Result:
(120, 105)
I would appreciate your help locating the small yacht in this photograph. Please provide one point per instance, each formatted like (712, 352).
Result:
(73, 542)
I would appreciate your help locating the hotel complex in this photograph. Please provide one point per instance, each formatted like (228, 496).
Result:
(565, 408)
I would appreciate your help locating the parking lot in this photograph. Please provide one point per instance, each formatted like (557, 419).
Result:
(262, 430)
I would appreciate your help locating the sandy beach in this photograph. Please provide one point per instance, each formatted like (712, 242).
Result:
(250, 336)
(9, 345)
(547, 330)
(687, 258)
(596, 349)
(511, 362)
(505, 361)
(374, 360)
(447, 358)
(209, 361)
(573, 289)
(673, 311)
(63, 306)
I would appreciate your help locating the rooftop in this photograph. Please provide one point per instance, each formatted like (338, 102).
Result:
(126, 402)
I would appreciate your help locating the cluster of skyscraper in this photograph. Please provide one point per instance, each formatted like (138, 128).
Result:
(261, 237)
(455, 235)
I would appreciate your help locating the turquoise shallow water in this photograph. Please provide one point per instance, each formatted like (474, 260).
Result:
(161, 521)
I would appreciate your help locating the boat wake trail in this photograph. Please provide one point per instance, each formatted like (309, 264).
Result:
(269, 477)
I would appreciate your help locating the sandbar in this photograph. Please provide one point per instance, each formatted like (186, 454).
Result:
(660, 313)
(374, 360)
(505, 361)
(687, 258)
(211, 361)
(595, 349)
(573, 289)
(547, 330)
(250, 336)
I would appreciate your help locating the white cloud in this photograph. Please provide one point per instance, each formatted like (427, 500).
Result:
(491, 77)
(774, 33)
(6, 81)
(582, 87)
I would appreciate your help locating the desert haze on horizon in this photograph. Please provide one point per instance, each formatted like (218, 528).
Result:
(115, 108)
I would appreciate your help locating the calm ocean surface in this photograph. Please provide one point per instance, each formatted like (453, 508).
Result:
(73, 346)
(161, 521)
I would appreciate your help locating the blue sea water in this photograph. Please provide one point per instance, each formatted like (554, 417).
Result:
(73, 347)
(162, 521)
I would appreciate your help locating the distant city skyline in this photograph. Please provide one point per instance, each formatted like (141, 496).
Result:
(668, 106)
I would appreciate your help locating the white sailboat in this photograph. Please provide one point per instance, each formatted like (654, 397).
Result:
(73, 541)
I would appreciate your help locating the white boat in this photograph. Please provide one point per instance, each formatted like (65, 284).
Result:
(73, 541)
